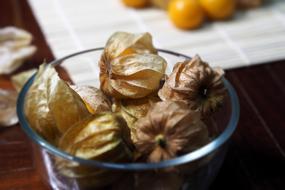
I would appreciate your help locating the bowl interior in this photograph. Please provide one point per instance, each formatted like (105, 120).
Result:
(83, 69)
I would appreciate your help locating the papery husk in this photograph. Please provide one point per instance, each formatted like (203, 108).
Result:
(66, 106)
(124, 43)
(129, 66)
(196, 83)
(8, 101)
(93, 98)
(131, 110)
(14, 38)
(12, 59)
(94, 129)
(101, 137)
(19, 80)
(132, 76)
(169, 129)
(15, 48)
(36, 105)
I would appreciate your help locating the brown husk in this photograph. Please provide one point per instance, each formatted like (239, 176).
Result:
(168, 129)
(131, 110)
(196, 83)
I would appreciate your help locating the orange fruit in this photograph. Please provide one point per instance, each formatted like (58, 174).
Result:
(219, 9)
(136, 3)
(186, 14)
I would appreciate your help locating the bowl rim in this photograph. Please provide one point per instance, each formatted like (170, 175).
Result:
(192, 156)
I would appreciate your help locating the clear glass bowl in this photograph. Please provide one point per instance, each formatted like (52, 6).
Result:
(195, 170)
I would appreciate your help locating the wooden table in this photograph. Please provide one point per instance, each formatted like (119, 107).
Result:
(256, 159)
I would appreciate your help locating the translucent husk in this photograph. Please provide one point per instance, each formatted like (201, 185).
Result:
(66, 106)
(36, 106)
(131, 110)
(102, 137)
(129, 66)
(20, 79)
(124, 43)
(93, 98)
(51, 106)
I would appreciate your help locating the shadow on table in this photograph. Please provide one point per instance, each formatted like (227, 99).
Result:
(245, 169)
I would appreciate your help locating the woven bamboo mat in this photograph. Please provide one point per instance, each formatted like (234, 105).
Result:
(253, 37)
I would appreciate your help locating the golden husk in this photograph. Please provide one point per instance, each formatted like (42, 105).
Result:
(101, 137)
(51, 106)
(93, 98)
(66, 106)
(20, 79)
(131, 110)
(124, 43)
(129, 66)
(36, 106)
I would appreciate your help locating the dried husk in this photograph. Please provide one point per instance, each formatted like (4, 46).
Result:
(124, 43)
(12, 59)
(129, 66)
(15, 48)
(101, 137)
(66, 106)
(19, 80)
(93, 98)
(132, 76)
(51, 106)
(36, 106)
(131, 110)
(196, 83)
(169, 129)
(8, 101)
(81, 140)
(14, 38)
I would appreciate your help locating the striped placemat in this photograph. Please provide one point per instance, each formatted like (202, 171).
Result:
(253, 37)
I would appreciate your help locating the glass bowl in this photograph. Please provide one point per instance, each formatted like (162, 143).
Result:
(195, 170)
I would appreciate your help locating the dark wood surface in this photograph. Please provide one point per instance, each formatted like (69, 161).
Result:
(256, 158)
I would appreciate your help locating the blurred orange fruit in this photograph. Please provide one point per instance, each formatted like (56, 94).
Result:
(186, 14)
(219, 9)
(136, 3)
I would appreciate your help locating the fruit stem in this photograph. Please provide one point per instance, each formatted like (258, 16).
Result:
(160, 140)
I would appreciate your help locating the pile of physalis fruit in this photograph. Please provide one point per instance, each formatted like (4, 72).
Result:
(139, 114)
